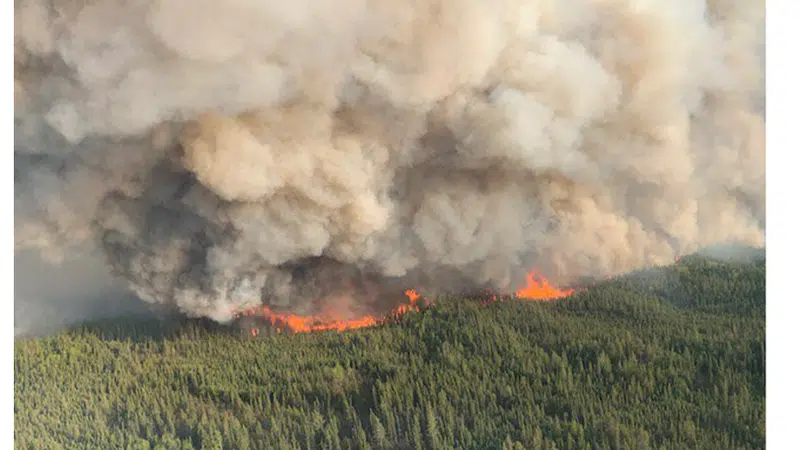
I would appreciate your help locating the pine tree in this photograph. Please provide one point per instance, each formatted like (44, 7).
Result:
(379, 437)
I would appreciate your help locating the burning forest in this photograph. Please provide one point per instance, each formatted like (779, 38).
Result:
(311, 162)
(253, 320)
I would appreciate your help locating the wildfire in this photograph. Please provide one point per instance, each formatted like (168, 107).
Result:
(538, 288)
(305, 324)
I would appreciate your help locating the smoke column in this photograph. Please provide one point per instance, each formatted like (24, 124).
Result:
(313, 154)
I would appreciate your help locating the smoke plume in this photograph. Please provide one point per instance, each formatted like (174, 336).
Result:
(314, 154)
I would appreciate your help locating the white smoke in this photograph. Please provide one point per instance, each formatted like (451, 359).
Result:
(237, 152)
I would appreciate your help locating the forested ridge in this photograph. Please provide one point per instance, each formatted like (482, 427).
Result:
(668, 358)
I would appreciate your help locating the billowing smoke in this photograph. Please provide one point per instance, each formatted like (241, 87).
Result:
(313, 154)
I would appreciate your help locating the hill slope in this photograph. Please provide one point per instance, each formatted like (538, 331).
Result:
(665, 358)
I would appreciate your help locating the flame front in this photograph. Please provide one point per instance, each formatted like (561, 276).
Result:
(306, 324)
(538, 288)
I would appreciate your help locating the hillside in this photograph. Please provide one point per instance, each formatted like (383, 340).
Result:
(665, 358)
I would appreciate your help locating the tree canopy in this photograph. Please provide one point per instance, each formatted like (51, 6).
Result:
(668, 358)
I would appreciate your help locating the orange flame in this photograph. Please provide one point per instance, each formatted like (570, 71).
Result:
(538, 288)
(412, 295)
(305, 324)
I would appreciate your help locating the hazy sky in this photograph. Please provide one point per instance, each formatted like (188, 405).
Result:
(48, 296)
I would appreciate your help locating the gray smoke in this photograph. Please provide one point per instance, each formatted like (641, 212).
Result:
(311, 153)
(49, 297)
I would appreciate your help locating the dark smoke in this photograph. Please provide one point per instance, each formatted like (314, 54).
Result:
(318, 154)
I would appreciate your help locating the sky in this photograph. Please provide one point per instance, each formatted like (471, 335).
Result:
(79, 288)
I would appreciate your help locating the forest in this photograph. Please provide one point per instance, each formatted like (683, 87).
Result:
(666, 358)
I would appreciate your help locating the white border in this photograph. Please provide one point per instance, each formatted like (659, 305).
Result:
(782, 210)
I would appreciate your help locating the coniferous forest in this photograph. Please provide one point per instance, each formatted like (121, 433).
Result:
(667, 358)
